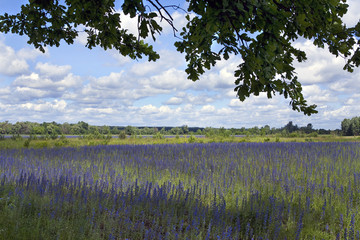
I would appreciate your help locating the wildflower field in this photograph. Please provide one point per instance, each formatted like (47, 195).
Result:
(182, 191)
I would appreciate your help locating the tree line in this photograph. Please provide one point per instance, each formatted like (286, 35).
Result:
(83, 128)
(351, 127)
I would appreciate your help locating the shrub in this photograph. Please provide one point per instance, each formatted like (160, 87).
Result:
(192, 139)
(158, 135)
(313, 134)
(122, 135)
(53, 136)
(27, 142)
(294, 135)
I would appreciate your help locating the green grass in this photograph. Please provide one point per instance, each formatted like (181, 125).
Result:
(78, 142)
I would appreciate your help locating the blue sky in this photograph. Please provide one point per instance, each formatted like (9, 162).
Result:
(73, 83)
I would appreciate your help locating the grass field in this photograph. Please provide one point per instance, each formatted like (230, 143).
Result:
(229, 190)
(41, 142)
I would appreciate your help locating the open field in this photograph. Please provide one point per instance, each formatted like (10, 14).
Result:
(271, 190)
(65, 141)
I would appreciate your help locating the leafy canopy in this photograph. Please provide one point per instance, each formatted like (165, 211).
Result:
(261, 31)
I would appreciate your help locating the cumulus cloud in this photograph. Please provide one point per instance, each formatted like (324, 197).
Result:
(35, 86)
(351, 18)
(56, 105)
(168, 59)
(187, 98)
(320, 66)
(314, 94)
(170, 79)
(174, 101)
(51, 70)
(10, 61)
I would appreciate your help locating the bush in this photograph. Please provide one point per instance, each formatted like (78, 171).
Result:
(158, 135)
(53, 136)
(313, 134)
(294, 135)
(122, 135)
(192, 139)
(27, 142)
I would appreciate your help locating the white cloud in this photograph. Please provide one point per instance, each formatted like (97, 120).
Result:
(56, 105)
(28, 94)
(10, 62)
(148, 109)
(314, 94)
(183, 98)
(320, 67)
(35, 82)
(351, 18)
(168, 59)
(174, 101)
(207, 109)
(51, 70)
(112, 81)
(170, 79)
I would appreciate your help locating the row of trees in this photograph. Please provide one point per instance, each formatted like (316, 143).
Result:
(83, 128)
(351, 127)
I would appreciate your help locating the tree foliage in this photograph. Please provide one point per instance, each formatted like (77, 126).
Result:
(262, 32)
(351, 127)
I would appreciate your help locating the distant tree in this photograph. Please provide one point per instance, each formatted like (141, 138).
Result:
(290, 127)
(309, 128)
(261, 32)
(209, 132)
(6, 126)
(104, 130)
(76, 129)
(84, 127)
(130, 130)
(162, 131)
(52, 129)
(185, 129)
(355, 126)
(198, 132)
(38, 129)
(114, 130)
(65, 128)
(265, 130)
(176, 131)
(346, 127)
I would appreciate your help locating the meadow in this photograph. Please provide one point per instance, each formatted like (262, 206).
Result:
(210, 190)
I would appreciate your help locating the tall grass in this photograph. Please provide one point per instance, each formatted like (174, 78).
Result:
(182, 191)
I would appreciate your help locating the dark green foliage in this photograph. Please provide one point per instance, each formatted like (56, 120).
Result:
(351, 127)
(261, 32)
